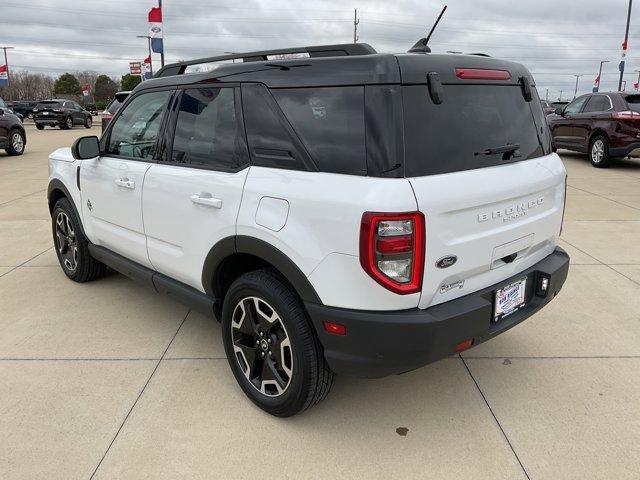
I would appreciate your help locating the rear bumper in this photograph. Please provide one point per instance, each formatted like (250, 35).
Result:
(47, 120)
(630, 150)
(378, 344)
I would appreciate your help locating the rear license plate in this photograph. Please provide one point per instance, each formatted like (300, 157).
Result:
(509, 299)
(45, 113)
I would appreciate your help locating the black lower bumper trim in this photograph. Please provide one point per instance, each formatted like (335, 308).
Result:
(378, 344)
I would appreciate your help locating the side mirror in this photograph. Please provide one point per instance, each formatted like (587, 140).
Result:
(558, 111)
(85, 148)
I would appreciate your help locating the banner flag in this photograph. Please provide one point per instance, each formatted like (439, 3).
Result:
(86, 90)
(155, 29)
(4, 75)
(596, 84)
(146, 68)
(622, 57)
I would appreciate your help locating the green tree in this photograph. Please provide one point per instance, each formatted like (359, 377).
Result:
(67, 84)
(105, 89)
(129, 81)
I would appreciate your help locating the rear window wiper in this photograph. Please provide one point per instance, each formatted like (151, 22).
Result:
(509, 150)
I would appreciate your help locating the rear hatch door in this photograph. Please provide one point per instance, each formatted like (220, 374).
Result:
(483, 174)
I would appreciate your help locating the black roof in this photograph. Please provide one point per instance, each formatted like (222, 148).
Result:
(361, 66)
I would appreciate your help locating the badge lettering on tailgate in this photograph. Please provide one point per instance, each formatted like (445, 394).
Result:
(511, 212)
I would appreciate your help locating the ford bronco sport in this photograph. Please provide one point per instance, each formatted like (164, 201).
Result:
(345, 212)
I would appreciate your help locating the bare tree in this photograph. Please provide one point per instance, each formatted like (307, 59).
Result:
(28, 86)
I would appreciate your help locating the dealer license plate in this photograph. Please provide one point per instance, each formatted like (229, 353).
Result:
(509, 299)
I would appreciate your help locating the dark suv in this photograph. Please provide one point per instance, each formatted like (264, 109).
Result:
(604, 125)
(61, 113)
(12, 135)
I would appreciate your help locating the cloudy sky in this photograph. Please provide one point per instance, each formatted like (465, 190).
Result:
(555, 39)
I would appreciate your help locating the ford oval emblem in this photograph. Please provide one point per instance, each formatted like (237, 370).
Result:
(446, 262)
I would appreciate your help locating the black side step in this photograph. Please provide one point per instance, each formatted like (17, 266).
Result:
(184, 294)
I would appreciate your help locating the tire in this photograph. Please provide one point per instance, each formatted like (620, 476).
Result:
(39, 126)
(88, 123)
(299, 363)
(72, 247)
(67, 124)
(599, 152)
(17, 142)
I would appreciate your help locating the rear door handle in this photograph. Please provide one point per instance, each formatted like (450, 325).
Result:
(207, 200)
(126, 183)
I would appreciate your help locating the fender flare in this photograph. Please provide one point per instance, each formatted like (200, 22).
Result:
(56, 184)
(260, 249)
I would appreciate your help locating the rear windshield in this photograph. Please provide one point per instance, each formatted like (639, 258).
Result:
(634, 102)
(114, 106)
(43, 105)
(474, 127)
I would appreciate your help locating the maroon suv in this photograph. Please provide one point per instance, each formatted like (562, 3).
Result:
(604, 125)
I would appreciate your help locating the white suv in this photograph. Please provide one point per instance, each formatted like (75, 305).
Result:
(346, 211)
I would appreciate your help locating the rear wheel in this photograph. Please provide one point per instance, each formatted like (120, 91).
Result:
(271, 346)
(39, 126)
(72, 247)
(599, 152)
(67, 124)
(16, 143)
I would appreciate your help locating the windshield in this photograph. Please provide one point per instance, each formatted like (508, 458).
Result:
(2, 104)
(476, 126)
(48, 104)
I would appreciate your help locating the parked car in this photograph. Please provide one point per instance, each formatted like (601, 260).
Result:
(91, 108)
(113, 108)
(547, 108)
(8, 109)
(23, 107)
(61, 113)
(351, 212)
(604, 125)
(13, 137)
(559, 104)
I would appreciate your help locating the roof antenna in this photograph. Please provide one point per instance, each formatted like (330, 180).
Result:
(421, 45)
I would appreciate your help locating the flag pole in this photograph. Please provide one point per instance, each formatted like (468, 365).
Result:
(162, 53)
(624, 47)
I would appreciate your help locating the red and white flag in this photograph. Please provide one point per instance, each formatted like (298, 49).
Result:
(596, 84)
(146, 68)
(4, 75)
(155, 29)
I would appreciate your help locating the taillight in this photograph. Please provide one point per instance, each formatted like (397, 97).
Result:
(564, 204)
(392, 249)
(626, 115)
(482, 74)
(58, 110)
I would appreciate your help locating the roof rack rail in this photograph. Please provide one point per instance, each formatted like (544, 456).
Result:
(345, 49)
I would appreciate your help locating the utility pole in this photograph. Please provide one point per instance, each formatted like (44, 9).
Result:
(148, 37)
(575, 92)
(6, 62)
(624, 46)
(624, 86)
(162, 54)
(560, 98)
(356, 21)
(546, 95)
(596, 88)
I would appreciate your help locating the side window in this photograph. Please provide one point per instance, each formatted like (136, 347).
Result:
(575, 106)
(272, 142)
(330, 122)
(596, 103)
(135, 131)
(206, 131)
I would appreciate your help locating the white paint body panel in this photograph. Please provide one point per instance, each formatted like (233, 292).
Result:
(115, 218)
(456, 207)
(179, 232)
(325, 211)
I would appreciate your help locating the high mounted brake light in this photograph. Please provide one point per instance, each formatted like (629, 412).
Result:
(482, 74)
(392, 249)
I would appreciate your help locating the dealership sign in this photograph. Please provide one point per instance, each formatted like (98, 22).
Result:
(135, 68)
(4, 75)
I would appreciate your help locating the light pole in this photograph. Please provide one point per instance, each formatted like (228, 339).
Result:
(6, 62)
(596, 88)
(148, 37)
(638, 83)
(624, 47)
(578, 75)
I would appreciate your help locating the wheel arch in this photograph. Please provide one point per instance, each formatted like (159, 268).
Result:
(57, 190)
(594, 133)
(236, 255)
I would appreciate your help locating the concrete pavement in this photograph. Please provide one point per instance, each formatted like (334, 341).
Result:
(108, 380)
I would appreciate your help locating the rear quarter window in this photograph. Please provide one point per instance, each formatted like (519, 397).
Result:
(633, 101)
(456, 134)
(330, 123)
